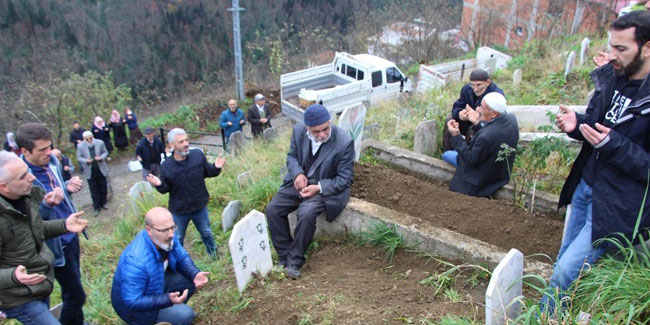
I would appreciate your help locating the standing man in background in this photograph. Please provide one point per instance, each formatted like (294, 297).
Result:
(232, 119)
(148, 153)
(92, 154)
(259, 115)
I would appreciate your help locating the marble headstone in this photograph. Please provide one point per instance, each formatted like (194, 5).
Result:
(230, 214)
(138, 192)
(584, 49)
(250, 248)
(270, 133)
(426, 138)
(236, 143)
(352, 121)
(569, 63)
(504, 287)
(516, 78)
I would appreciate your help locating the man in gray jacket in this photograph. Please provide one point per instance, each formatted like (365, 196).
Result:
(320, 167)
(26, 272)
(91, 154)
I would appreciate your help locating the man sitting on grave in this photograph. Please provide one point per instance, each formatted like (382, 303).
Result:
(155, 276)
(470, 98)
(320, 166)
(483, 166)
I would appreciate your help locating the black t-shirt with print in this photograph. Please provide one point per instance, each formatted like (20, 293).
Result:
(625, 92)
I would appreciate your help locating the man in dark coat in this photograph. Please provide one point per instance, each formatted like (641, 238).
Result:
(479, 170)
(259, 115)
(148, 153)
(183, 176)
(607, 183)
(76, 135)
(470, 99)
(320, 167)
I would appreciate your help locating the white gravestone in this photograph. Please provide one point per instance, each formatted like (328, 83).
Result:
(569, 63)
(504, 288)
(584, 49)
(138, 192)
(250, 248)
(426, 138)
(236, 143)
(516, 78)
(230, 214)
(352, 121)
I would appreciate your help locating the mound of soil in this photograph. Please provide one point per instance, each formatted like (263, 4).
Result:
(349, 284)
(494, 221)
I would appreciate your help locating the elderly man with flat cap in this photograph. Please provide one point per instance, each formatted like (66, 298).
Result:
(148, 153)
(479, 172)
(470, 99)
(320, 167)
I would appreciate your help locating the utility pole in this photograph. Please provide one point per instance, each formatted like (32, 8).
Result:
(239, 74)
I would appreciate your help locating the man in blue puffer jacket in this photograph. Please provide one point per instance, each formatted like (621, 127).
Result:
(155, 276)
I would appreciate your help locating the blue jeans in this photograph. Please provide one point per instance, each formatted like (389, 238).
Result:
(72, 291)
(451, 157)
(202, 224)
(179, 313)
(576, 250)
(35, 312)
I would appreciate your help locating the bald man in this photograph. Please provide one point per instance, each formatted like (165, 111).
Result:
(66, 167)
(141, 293)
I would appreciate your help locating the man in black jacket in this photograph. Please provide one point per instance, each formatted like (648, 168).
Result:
(76, 135)
(470, 99)
(148, 153)
(183, 177)
(481, 169)
(259, 115)
(607, 183)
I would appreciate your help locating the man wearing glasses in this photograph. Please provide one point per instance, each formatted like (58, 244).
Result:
(155, 276)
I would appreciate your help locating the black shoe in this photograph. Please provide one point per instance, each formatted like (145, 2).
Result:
(96, 213)
(104, 207)
(282, 263)
(292, 271)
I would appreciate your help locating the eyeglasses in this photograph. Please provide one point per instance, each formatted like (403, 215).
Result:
(166, 230)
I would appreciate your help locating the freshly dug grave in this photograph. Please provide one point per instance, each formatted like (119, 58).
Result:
(348, 284)
(496, 222)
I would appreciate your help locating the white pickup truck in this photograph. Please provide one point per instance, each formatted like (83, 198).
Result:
(349, 80)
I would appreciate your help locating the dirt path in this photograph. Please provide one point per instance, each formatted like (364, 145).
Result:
(494, 221)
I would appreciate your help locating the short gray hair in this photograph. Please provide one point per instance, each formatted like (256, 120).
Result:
(5, 158)
(171, 136)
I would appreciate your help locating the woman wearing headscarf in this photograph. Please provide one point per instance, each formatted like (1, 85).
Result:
(119, 131)
(101, 131)
(10, 144)
(134, 131)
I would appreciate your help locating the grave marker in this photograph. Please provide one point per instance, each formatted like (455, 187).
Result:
(250, 248)
(352, 121)
(138, 192)
(244, 179)
(236, 143)
(516, 78)
(569, 63)
(584, 49)
(426, 138)
(270, 133)
(504, 288)
(230, 214)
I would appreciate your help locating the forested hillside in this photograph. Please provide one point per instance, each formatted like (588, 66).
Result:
(158, 48)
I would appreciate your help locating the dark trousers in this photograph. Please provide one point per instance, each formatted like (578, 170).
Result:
(176, 282)
(98, 188)
(292, 250)
(72, 292)
(465, 129)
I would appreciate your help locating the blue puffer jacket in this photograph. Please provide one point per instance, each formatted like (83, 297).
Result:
(139, 280)
(234, 118)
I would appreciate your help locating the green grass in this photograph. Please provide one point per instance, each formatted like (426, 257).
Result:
(383, 235)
